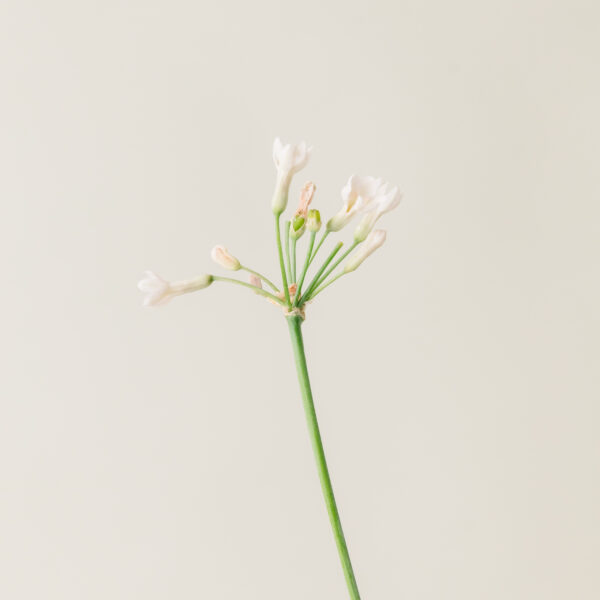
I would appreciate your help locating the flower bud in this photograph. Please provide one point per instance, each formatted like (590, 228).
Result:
(374, 240)
(297, 227)
(255, 280)
(222, 257)
(313, 220)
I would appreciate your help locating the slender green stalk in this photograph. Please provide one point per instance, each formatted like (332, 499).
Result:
(295, 323)
(322, 287)
(336, 263)
(323, 238)
(261, 276)
(286, 238)
(315, 280)
(294, 240)
(311, 243)
(281, 263)
(255, 289)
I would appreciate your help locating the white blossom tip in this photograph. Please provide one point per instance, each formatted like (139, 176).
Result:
(223, 258)
(159, 292)
(374, 240)
(288, 159)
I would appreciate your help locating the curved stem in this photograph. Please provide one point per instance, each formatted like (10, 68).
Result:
(295, 324)
(322, 287)
(286, 291)
(255, 289)
(311, 243)
(261, 276)
(316, 278)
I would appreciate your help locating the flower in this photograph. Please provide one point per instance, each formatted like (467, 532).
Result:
(288, 159)
(382, 203)
(222, 257)
(359, 193)
(159, 292)
(374, 240)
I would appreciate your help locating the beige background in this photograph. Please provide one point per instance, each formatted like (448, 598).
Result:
(163, 454)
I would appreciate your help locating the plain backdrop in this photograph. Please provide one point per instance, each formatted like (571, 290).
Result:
(163, 454)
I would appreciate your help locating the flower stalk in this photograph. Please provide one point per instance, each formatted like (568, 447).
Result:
(295, 325)
(362, 195)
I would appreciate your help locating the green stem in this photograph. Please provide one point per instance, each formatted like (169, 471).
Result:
(335, 264)
(315, 280)
(323, 238)
(261, 276)
(286, 238)
(311, 243)
(295, 323)
(294, 240)
(322, 287)
(286, 291)
(255, 289)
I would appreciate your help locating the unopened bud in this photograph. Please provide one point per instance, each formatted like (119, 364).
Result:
(313, 220)
(255, 280)
(297, 227)
(222, 257)
(374, 240)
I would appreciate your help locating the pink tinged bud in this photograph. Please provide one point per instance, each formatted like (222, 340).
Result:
(255, 280)
(159, 291)
(306, 196)
(222, 257)
(374, 240)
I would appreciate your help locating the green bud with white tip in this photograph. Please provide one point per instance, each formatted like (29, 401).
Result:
(313, 220)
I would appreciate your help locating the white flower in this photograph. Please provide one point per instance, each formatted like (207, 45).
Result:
(359, 193)
(222, 257)
(374, 240)
(288, 159)
(382, 203)
(159, 292)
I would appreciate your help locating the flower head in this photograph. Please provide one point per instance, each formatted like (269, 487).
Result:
(223, 258)
(374, 240)
(359, 193)
(288, 159)
(159, 291)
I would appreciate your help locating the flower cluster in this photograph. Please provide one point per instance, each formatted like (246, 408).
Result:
(365, 197)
